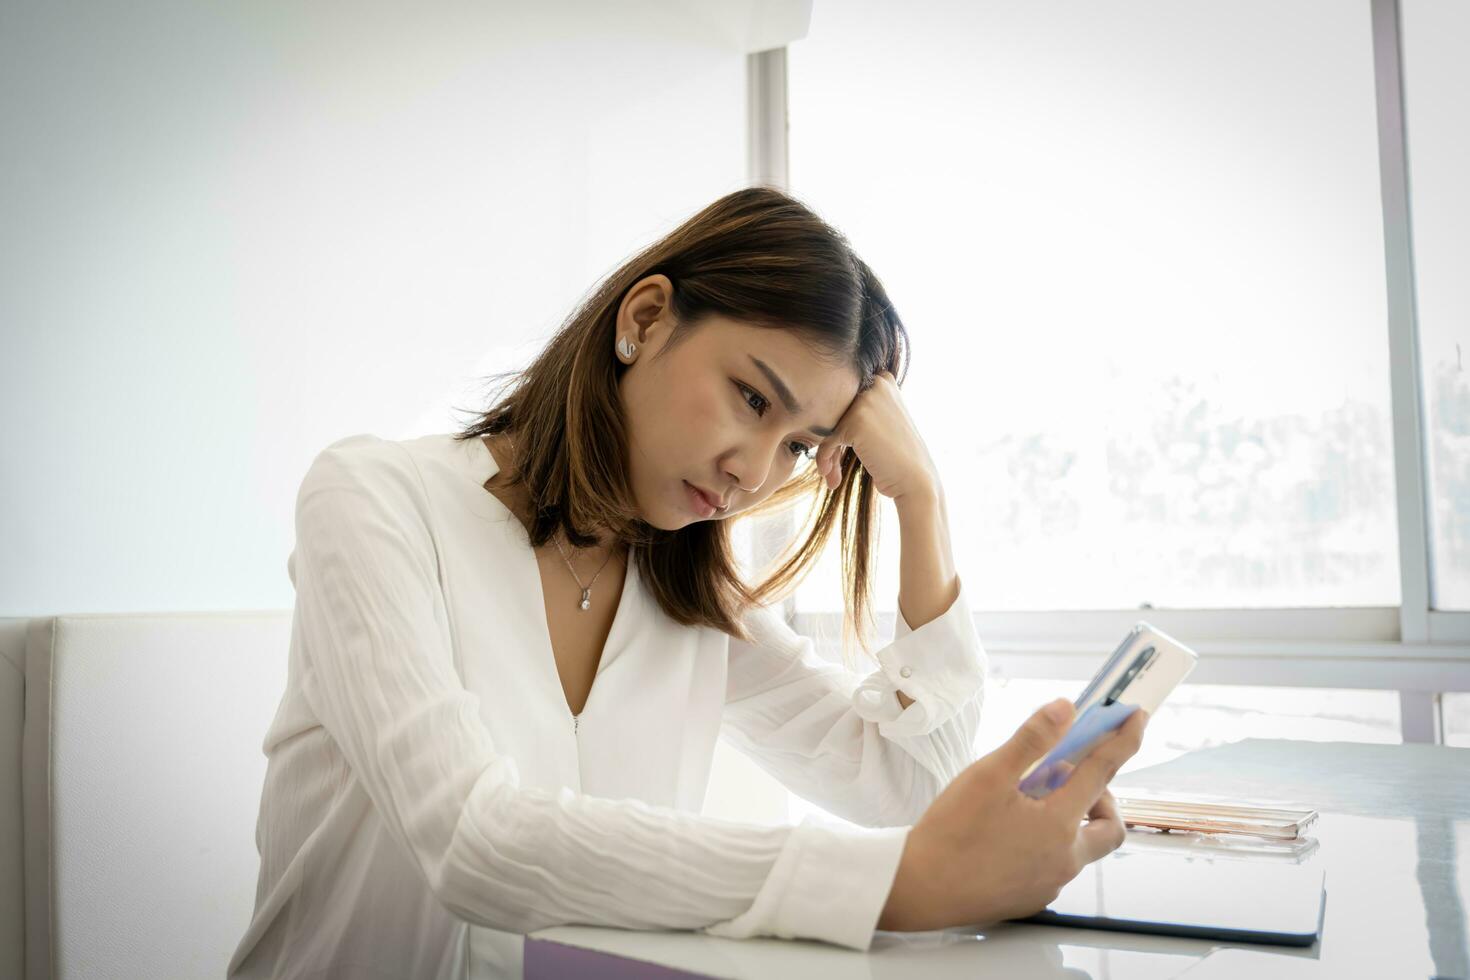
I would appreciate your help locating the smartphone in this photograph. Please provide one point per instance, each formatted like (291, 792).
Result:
(1145, 667)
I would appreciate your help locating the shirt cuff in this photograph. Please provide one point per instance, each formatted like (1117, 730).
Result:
(829, 882)
(941, 665)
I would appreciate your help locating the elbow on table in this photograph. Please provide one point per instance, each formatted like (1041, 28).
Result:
(498, 905)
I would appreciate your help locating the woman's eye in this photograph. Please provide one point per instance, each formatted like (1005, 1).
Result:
(759, 410)
(798, 450)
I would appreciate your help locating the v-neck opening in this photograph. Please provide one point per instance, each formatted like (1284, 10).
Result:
(603, 656)
(608, 646)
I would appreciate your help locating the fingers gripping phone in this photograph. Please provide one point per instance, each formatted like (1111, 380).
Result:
(1145, 667)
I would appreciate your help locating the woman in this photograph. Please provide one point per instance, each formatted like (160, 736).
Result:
(514, 647)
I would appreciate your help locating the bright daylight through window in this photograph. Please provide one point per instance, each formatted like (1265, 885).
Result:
(1437, 90)
(1138, 247)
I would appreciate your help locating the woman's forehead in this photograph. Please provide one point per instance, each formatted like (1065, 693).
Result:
(795, 350)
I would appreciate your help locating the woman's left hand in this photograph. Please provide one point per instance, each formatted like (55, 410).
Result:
(878, 428)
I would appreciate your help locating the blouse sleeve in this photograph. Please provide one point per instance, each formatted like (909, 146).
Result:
(847, 744)
(380, 677)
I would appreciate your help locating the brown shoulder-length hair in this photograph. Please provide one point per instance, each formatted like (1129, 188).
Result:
(759, 256)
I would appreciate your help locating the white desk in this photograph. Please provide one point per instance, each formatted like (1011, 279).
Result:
(1394, 839)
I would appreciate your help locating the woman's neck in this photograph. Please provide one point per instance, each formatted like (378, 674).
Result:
(512, 492)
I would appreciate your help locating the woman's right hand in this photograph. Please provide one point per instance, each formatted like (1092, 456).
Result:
(984, 851)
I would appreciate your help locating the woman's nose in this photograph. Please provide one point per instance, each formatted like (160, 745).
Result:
(751, 469)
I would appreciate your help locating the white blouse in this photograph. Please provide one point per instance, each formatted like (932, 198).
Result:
(429, 797)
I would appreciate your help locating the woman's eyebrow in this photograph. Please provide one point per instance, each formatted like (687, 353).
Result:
(793, 407)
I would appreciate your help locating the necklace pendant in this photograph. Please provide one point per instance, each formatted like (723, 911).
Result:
(586, 602)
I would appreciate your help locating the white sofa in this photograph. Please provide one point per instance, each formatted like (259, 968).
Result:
(131, 763)
(12, 854)
(130, 776)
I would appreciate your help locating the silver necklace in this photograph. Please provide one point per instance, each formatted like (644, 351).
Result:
(586, 602)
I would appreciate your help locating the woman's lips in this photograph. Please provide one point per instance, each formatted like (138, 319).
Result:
(698, 502)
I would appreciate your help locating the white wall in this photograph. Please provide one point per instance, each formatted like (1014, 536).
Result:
(233, 233)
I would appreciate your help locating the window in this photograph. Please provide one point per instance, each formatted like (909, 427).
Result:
(1140, 250)
(1436, 92)
(1152, 260)
(1456, 711)
(1200, 716)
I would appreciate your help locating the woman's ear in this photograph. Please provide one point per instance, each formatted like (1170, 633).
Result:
(644, 311)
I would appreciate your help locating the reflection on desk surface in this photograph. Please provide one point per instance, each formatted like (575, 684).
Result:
(1394, 836)
(1232, 964)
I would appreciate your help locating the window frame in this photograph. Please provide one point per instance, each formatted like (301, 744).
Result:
(1413, 648)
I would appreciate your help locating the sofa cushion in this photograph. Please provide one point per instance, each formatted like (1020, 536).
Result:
(12, 710)
(143, 767)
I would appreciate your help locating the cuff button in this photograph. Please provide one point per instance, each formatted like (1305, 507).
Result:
(905, 671)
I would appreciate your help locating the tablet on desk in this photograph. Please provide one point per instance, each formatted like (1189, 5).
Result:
(1232, 900)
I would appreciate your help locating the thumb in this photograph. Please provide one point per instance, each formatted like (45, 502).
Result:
(1037, 736)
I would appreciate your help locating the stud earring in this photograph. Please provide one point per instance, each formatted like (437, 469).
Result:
(626, 348)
